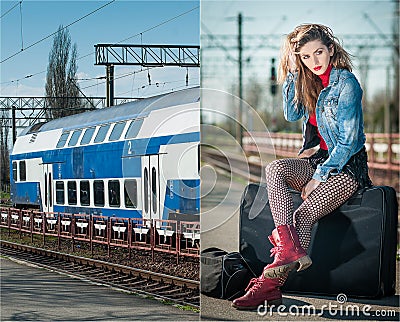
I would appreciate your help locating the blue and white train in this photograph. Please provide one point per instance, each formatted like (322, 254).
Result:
(135, 160)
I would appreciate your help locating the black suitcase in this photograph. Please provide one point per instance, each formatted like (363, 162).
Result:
(353, 249)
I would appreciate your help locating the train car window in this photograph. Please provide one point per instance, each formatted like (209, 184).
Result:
(154, 188)
(36, 127)
(74, 138)
(14, 170)
(113, 193)
(72, 198)
(60, 192)
(63, 139)
(98, 188)
(84, 193)
(101, 135)
(22, 171)
(146, 191)
(117, 131)
(130, 193)
(134, 128)
(87, 136)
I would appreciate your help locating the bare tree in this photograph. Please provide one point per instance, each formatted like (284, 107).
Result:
(62, 89)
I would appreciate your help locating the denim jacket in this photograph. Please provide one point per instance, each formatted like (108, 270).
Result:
(339, 118)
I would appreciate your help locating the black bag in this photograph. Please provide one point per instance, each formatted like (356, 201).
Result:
(223, 275)
(353, 249)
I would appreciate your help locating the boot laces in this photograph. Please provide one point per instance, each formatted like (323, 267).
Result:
(255, 284)
(276, 251)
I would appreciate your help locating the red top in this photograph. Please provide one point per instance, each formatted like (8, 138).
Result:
(325, 76)
(313, 119)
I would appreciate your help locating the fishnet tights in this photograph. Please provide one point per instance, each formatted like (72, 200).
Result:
(296, 173)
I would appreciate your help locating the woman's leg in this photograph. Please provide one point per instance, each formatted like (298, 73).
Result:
(323, 200)
(282, 174)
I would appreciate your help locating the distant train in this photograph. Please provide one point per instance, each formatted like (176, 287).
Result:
(135, 160)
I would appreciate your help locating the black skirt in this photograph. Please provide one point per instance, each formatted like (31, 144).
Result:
(356, 167)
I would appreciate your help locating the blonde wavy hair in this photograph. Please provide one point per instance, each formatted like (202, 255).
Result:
(308, 85)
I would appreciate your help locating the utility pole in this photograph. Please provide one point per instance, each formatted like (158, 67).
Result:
(110, 85)
(239, 128)
(13, 122)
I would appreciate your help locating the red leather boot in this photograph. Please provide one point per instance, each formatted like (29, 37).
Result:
(288, 252)
(260, 291)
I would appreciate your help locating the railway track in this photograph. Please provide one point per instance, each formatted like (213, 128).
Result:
(254, 172)
(233, 164)
(161, 286)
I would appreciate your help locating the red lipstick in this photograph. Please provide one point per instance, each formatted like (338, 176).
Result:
(317, 68)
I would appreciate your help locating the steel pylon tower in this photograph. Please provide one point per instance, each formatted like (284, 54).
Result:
(143, 55)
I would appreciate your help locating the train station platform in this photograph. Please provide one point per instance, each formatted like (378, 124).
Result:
(29, 293)
(222, 231)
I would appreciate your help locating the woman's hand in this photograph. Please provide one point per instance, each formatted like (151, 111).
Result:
(309, 187)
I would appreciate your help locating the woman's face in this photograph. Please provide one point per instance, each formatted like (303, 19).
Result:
(316, 56)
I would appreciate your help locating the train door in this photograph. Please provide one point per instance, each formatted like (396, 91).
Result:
(47, 188)
(150, 187)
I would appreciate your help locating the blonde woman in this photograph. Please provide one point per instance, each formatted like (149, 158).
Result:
(318, 87)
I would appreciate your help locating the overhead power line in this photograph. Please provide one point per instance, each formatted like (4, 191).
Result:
(273, 41)
(381, 34)
(93, 52)
(52, 34)
(118, 77)
(18, 3)
(160, 24)
(147, 30)
(218, 44)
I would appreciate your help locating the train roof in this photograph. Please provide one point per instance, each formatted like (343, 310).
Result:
(119, 112)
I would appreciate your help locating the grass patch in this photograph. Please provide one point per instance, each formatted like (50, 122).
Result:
(181, 307)
(187, 308)
(5, 198)
(5, 195)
